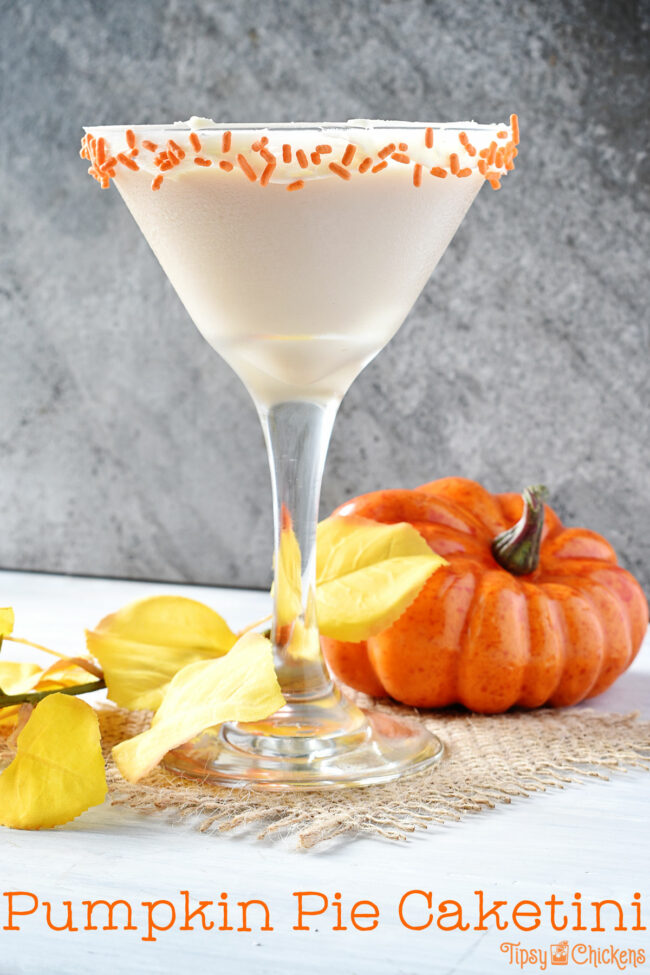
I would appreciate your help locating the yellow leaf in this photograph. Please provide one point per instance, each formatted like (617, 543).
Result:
(367, 575)
(287, 585)
(142, 646)
(241, 686)
(58, 771)
(18, 676)
(6, 621)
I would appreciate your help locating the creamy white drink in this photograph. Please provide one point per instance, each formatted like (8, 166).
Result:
(299, 250)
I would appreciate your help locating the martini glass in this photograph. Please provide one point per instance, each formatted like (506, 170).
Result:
(298, 251)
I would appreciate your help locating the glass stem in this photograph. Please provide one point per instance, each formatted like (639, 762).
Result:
(297, 435)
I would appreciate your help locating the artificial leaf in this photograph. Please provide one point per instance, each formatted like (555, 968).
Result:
(287, 585)
(367, 575)
(66, 672)
(142, 646)
(17, 677)
(242, 686)
(58, 771)
(6, 621)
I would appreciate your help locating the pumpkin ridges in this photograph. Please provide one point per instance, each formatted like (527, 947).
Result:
(543, 671)
(449, 542)
(577, 543)
(627, 590)
(417, 658)
(619, 581)
(584, 644)
(616, 633)
(398, 505)
(495, 647)
(469, 495)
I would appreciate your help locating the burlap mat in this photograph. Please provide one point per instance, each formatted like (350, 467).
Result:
(489, 760)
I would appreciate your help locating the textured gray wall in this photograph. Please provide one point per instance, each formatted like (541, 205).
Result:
(128, 448)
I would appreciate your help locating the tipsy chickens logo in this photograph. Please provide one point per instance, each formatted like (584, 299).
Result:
(560, 954)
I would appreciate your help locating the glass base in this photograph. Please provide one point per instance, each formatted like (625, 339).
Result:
(324, 744)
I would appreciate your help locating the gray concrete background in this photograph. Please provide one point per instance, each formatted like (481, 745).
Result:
(129, 449)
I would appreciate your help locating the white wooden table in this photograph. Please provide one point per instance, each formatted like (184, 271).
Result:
(591, 838)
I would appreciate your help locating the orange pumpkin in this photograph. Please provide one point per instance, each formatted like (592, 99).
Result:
(526, 615)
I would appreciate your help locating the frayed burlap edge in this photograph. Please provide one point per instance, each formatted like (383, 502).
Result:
(488, 760)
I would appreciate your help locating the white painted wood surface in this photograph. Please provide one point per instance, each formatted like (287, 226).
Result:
(590, 838)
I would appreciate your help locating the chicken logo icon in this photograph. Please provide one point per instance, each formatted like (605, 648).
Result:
(560, 953)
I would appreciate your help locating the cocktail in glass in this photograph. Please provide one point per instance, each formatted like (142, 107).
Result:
(298, 251)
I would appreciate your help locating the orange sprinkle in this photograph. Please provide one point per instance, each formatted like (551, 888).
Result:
(110, 163)
(268, 172)
(286, 153)
(400, 157)
(403, 146)
(348, 155)
(417, 175)
(365, 164)
(226, 166)
(323, 149)
(340, 170)
(470, 149)
(195, 142)
(491, 153)
(157, 183)
(177, 149)
(101, 152)
(502, 134)
(464, 172)
(172, 157)
(482, 167)
(378, 168)
(129, 163)
(439, 171)
(256, 146)
(484, 153)
(246, 167)
(266, 155)
(428, 138)
(297, 184)
(498, 158)
(264, 141)
(454, 164)
(166, 166)
(134, 153)
(225, 141)
(105, 182)
(386, 151)
(514, 125)
(462, 138)
(151, 146)
(315, 158)
(302, 161)
(201, 161)
(494, 181)
(130, 138)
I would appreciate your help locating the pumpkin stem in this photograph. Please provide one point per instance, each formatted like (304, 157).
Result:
(517, 549)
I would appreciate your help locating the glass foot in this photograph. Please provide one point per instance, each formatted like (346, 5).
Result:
(327, 744)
